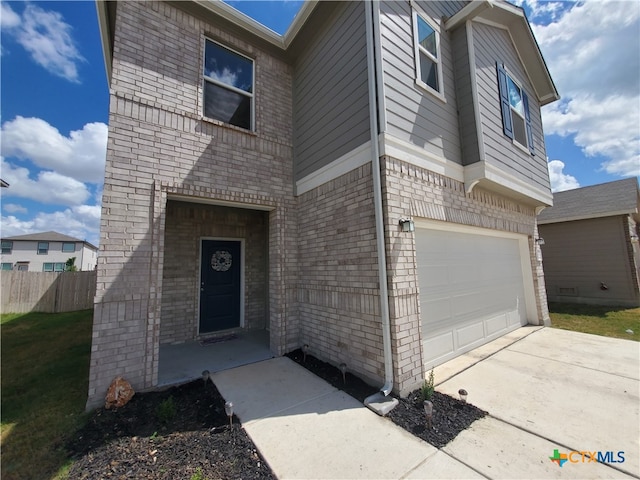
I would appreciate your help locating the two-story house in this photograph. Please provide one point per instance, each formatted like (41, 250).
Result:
(366, 184)
(46, 252)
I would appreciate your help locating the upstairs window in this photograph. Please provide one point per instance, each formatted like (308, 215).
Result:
(43, 248)
(426, 37)
(514, 104)
(7, 246)
(68, 247)
(228, 86)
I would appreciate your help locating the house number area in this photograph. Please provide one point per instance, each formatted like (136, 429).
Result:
(221, 261)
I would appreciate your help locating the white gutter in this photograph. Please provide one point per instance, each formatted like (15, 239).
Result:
(377, 202)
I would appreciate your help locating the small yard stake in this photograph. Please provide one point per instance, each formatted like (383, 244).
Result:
(305, 349)
(428, 410)
(228, 408)
(343, 369)
(205, 377)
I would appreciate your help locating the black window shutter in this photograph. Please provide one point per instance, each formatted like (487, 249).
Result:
(504, 101)
(527, 117)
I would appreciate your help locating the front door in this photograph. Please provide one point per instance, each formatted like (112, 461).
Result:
(220, 295)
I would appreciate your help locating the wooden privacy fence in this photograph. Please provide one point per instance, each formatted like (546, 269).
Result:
(46, 291)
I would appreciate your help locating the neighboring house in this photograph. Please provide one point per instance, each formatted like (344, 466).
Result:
(590, 252)
(258, 181)
(46, 252)
(3, 183)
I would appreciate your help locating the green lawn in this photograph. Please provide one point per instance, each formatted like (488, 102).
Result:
(45, 371)
(598, 320)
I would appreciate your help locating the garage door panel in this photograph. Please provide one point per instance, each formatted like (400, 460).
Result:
(470, 334)
(440, 345)
(471, 289)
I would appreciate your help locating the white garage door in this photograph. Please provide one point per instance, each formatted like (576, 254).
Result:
(472, 289)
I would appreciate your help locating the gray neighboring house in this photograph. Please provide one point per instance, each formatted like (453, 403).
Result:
(591, 253)
(46, 252)
(366, 184)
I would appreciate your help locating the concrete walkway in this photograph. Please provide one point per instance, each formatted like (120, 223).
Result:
(545, 389)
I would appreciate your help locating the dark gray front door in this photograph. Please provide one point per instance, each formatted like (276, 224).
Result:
(220, 294)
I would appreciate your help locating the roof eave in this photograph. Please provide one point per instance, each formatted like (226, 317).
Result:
(523, 38)
(105, 36)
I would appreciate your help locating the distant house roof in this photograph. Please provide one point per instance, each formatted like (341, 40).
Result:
(49, 237)
(3, 183)
(621, 197)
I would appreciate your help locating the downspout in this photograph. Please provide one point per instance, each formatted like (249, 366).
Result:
(377, 201)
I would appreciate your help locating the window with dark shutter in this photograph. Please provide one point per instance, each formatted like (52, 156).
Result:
(514, 105)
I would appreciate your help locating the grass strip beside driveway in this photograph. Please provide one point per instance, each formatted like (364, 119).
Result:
(596, 319)
(45, 371)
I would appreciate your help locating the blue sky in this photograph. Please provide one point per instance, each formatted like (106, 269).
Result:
(54, 103)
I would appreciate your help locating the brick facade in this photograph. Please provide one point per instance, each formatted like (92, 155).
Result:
(160, 147)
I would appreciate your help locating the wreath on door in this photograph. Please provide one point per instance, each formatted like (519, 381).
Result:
(221, 261)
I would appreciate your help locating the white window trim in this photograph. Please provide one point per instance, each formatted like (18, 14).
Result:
(417, 48)
(230, 87)
(524, 147)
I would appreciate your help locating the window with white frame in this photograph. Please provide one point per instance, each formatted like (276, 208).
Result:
(7, 246)
(43, 248)
(228, 86)
(426, 37)
(68, 246)
(7, 266)
(514, 105)
(53, 267)
(22, 266)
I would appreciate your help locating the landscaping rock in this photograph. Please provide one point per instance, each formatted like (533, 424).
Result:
(119, 393)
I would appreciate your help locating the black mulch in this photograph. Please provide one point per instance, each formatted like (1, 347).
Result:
(450, 415)
(150, 439)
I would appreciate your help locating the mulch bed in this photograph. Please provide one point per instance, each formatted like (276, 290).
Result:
(183, 432)
(450, 415)
(150, 439)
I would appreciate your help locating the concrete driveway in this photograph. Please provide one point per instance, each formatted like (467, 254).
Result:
(547, 389)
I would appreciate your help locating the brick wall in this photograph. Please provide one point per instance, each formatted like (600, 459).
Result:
(338, 289)
(160, 146)
(409, 190)
(186, 224)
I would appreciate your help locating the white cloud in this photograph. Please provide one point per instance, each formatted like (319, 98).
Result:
(593, 54)
(47, 37)
(561, 181)
(48, 187)
(81, 222)
(13, 208)
(8, 18)
(81, 155)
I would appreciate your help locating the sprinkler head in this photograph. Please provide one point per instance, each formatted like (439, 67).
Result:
(205, 377)
(305, 349)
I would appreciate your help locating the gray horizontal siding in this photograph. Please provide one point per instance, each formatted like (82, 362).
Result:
(601, 255)
(331, 105)
(414, 115)
(464, 97)
(493, 44)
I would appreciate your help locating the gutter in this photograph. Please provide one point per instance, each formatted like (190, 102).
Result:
(377, 201)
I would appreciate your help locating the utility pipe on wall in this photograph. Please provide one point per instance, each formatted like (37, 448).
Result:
(377, 199)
